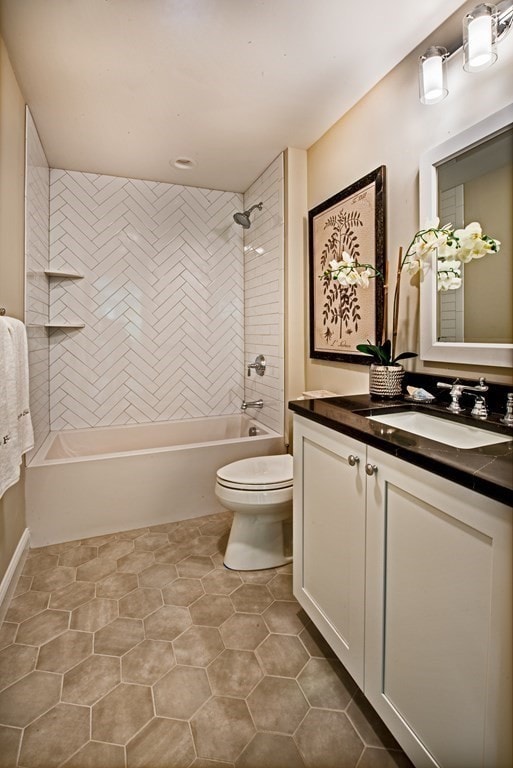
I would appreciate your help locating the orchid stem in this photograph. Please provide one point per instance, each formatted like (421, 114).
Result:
(397, 292)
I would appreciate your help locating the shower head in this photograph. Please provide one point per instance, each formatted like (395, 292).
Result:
(243, 218)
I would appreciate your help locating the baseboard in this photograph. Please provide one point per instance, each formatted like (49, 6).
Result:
(10, 579)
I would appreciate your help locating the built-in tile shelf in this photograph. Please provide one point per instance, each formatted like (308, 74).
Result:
(62, 273)
(64, 324)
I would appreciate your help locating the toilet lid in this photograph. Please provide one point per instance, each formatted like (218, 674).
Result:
(258, 473)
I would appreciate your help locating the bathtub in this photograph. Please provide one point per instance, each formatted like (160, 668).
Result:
(88, 482)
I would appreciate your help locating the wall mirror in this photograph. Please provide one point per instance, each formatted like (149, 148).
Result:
(470, 178)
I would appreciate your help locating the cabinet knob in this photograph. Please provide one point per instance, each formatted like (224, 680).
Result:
(371, 469)
(352, 460)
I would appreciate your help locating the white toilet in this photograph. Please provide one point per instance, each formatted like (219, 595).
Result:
(259, 493)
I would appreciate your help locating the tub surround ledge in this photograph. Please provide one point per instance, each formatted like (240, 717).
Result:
(487, 470)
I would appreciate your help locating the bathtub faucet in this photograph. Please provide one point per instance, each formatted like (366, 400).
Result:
(254, 404)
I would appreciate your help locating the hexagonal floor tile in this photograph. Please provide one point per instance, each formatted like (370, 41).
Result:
(211, 610)
(96, 569)
(182, 591)
(117, 585)
(147, 662)
(121, 713)
(16, 661)
(167, 622)
(328, 739)
(286, 617)
(157, 575)
(7, 634)
(55, 736)
(266, 705)
(90, 680)
(326, 684)
(315, 643)
(181, 692)
(116, 549)
(65, 651)
(251, 598)
(118, 637)
(97, 755)
(25, 700)
(207, 545)
(27, 605)
(22, 585)
(70, 597)
(370, 727)
(272, 750)
(171, 553)
(77, 556)
(10, 740)
(244, 631)
(140, 603)
(94, 615)
(40, 562)
(151, 541)
(221, 582)
(281, 587)
(135, 562)
(161, 744)
(198, 646)
(234, 673)
(282, 655)
(222, 728)
(53, 578)
(43, 627)
(195, 566)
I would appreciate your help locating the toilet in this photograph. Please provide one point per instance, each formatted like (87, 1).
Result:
(259, 493)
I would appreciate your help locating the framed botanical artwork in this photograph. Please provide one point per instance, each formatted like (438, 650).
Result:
(352, 221)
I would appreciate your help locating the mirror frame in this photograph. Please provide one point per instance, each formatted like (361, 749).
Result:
(430, 348)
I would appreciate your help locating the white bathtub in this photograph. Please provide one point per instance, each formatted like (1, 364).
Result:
(88, 482)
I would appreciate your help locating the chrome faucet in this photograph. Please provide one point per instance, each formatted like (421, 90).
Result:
(456, 391)
(507, 419)
(254, 404)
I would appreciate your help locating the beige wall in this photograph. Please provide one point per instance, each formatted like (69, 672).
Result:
(391, 127)
(12, 163)
(483, 289)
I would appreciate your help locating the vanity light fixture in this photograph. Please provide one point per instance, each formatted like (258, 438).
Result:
(482, 29)
(480, 38)
(432, 75)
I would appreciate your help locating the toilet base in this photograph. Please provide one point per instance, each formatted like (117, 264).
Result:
(259, 541)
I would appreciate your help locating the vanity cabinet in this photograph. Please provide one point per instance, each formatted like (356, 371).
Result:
(408, 577)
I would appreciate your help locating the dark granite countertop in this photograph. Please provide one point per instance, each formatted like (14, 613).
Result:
(487, 470)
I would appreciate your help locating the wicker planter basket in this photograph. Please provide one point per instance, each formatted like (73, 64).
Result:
(385, 381)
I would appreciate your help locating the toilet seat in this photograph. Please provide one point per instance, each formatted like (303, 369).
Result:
(261, 473)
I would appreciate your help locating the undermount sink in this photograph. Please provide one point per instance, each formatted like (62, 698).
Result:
(440, 429)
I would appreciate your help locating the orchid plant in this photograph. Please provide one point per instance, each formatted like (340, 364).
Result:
(452, 247)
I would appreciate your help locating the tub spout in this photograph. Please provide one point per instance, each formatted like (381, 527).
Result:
(254, 404)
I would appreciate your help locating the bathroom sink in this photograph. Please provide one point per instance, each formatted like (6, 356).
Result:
(440, 429)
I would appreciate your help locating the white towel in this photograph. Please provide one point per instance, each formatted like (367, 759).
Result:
(16, 433)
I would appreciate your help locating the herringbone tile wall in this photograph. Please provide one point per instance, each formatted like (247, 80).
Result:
(264, 292)
(162, 301)
(37, 195)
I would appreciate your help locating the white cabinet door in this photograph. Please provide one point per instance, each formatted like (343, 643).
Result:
(438, 617)
(329, 537)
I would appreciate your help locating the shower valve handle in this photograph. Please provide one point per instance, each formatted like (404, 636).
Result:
(258, 366)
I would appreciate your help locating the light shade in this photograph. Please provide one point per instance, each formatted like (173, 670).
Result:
(432, 75)
(480, 38)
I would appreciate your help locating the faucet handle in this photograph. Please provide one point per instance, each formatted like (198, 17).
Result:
(508, 416)
(480, 409)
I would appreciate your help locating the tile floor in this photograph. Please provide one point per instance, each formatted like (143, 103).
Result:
(139, 649)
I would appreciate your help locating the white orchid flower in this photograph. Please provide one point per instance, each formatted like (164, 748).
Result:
(449, 275)
(413, 266)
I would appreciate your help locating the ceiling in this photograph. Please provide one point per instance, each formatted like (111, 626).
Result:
(125, 87)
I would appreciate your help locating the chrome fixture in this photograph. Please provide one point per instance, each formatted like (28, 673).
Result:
(508, 416)
(480, 409)
(254, 404)
(456, 391)
(433, 75)
(482, 29)
(243, 218)
(258, 366)
(253, 431)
